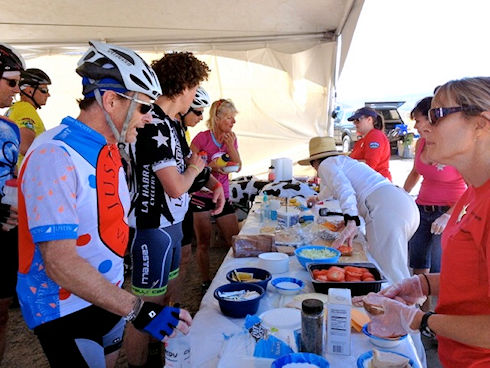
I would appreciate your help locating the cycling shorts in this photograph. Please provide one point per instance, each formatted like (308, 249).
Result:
(9, 262)
(188, 228)
(203, 204)
(82, 338)
(155, 255)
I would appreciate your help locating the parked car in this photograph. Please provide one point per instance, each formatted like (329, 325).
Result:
(345, 131)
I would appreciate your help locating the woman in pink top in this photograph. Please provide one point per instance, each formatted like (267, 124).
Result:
(441, 187)
(212, 144)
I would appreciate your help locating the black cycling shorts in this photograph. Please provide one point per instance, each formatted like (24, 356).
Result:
(203, 204)
(9, 262)
(188, 228)
(82, 338)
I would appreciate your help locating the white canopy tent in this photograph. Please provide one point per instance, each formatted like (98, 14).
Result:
(276, 59)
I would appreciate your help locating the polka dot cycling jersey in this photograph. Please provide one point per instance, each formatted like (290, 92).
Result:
(72, 186)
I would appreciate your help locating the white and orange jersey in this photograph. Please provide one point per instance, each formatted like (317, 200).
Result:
(72, 186)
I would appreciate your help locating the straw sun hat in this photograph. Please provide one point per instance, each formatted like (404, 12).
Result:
(321, 147)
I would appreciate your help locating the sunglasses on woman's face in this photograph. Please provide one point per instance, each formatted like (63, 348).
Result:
(197, 112)
(12, 82)
(438, 113)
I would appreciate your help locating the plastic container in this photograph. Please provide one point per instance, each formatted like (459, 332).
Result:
(312, 326)
(274, 262)
(178, 351)
(288, 285)
(239, 309)
(287, 218)
(356, 287)
(381, 342)
(314, 359)
(305, 260)
(258, 273)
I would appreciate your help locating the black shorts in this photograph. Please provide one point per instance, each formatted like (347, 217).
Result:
(188, 228)
(203, 204)
(9, 262)
(82, 338)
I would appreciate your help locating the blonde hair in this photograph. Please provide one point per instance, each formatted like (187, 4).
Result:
(473, 92)
(218, 108)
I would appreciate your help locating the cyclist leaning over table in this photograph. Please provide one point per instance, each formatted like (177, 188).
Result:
(11, 63)
(34, 93)
(71, 245)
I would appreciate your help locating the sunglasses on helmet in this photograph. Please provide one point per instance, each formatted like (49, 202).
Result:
(197, 112)
(12, 82)
(145, 107)
(438, 113)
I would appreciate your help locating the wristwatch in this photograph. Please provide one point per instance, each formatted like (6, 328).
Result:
(424, 326)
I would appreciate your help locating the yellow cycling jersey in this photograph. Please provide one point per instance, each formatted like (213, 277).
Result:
(25, 116)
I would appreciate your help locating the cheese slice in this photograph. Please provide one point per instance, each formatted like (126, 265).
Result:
(385, 359)
(358, 319)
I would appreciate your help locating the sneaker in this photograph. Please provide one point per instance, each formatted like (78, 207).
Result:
(205, 286)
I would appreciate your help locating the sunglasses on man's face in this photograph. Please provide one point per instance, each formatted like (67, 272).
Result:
(43, 90)
(12, 82)
(438, 113)
(145, 107)
(197, 112)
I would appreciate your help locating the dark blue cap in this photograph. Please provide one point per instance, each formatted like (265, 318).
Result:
(363, 111)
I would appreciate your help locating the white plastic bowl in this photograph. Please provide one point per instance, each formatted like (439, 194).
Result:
(230, 169)
(274, 262)
(381, 342)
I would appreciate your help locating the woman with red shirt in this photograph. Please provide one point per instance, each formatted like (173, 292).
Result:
(373, 148)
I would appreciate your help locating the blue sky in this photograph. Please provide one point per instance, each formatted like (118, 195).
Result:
(402, 49)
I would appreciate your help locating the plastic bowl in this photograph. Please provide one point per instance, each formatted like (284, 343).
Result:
(258, 273)
(382, 342)
(239, 309)
(230, 169)
(305, 260)
(288, 285)
(310, 358)
(274, 262)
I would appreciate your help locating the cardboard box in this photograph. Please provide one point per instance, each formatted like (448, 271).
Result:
(338, 321)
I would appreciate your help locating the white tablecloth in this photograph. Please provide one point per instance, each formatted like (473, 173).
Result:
(211, 329)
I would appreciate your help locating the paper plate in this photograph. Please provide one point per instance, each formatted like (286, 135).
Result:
(282, 318)
(364, 359)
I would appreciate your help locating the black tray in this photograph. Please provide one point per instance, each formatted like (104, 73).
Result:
(356, 287)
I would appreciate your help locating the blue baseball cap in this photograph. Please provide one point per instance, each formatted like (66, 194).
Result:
(363, 111)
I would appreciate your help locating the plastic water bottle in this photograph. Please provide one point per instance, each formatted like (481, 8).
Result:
(265, 208)
(178, 351)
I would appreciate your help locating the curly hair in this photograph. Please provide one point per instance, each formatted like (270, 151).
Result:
(178, 71)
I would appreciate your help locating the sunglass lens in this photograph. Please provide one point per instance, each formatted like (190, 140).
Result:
(433, 116)
(44, 90)
(12, 82)
(197, 112)
(145, 109)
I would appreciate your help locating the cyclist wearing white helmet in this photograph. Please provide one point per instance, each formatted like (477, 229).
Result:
(194, 115)
(34, 93)
(73, 242)
(11, 64)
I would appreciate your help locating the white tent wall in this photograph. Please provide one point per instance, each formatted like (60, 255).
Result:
(274, 59)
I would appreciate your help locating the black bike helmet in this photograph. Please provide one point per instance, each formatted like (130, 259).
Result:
(33, 77)
(10, 59)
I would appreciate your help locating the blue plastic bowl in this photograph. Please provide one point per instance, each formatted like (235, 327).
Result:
(310, 358)
(305, 260)
(239, 309)
(387, 343)
(288, 291)
(258, 273)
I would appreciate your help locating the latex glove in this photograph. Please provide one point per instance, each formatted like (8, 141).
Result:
(409, 290)
(395, 320)
(160, 322)
(347, 235)
(439, 224)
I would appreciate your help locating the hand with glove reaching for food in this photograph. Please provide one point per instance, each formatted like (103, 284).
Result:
(408, 290)
(347, 235)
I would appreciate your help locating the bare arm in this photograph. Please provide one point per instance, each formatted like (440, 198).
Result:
(26, 138)
(413, 177)
(65, 267)
(174, 183)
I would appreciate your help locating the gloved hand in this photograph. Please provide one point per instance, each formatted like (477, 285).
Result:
(160, 322)
(439, 224)
(347, 235)
(311, 201)
(409, 290)
(395, 321)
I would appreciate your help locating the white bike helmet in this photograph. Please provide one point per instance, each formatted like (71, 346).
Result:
(10, 59)
(103, 60)
(201, 100)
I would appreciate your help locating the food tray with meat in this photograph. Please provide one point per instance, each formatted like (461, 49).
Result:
(360, 278)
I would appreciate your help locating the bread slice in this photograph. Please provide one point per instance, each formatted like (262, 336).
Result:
(385, 359)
